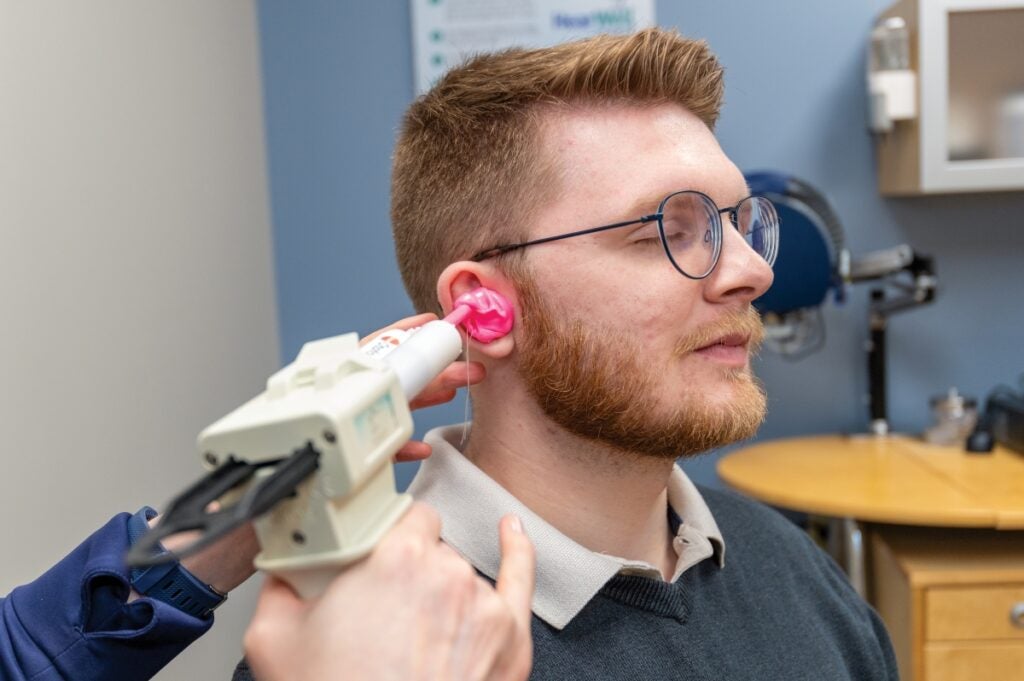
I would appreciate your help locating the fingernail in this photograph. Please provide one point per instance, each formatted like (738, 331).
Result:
(516, 524)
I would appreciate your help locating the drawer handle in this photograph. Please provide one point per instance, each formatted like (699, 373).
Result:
(1017, 615)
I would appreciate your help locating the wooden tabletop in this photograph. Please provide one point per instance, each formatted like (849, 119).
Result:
(891, 479)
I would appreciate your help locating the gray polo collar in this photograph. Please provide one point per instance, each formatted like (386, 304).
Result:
(568, 575)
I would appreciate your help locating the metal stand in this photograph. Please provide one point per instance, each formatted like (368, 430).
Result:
(876, 366)
(846, 546)
(919, 291)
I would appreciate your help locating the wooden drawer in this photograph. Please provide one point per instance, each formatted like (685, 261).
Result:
(999, 661)
(971, 613)
(946, 596)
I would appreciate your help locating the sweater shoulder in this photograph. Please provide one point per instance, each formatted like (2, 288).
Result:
(757, 537)
(738, 514)
(242, 671)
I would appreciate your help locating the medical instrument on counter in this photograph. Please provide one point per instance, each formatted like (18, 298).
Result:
(1001, 421)
(309, 461)
(813, 264)
(955, 417)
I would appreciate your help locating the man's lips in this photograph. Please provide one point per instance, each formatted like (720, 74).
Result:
(730, 349)
(729, 340)
(736, 331)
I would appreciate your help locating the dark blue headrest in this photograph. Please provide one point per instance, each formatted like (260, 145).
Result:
(809, 243)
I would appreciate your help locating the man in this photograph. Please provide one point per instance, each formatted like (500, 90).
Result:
(584, 183)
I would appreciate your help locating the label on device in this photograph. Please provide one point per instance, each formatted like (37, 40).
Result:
(383, 344)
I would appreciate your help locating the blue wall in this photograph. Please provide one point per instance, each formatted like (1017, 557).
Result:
(337, 77)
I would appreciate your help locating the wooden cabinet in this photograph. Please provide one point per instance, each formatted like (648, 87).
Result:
(953, 601)
(960, 91)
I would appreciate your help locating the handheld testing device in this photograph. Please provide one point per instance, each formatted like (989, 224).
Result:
(309, 460)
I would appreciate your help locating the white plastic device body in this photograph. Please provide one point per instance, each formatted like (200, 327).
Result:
(352, 405)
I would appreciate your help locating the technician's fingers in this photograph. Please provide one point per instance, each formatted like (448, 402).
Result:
(518, 565)
(443, 388)
(413, 450)
(432, 399)
(407, 323)
(458, 374)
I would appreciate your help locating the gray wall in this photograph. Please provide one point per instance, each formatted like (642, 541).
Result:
(136, 286)
(338, 76)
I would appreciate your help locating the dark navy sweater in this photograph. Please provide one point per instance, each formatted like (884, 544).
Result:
(779, 610)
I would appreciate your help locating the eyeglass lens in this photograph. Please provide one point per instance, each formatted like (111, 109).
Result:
(758, 222)
(692, 230)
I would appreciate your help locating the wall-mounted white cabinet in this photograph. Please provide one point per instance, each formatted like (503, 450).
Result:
(957, 93)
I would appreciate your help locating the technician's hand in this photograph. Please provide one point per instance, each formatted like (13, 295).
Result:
(442, 389)
(413, 610)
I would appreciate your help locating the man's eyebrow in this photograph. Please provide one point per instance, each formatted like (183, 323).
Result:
(650, 204)
(645, 206)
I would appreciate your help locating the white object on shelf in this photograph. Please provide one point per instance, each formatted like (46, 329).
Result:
(892, 85)
(893, 97)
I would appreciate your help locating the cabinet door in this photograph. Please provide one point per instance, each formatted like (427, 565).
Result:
(974, 661)
(972, 95)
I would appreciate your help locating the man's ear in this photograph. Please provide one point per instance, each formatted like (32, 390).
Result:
(464, 276)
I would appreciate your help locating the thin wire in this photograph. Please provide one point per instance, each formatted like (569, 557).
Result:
(465, 415)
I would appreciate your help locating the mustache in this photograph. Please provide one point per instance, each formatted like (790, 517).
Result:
(746, 322)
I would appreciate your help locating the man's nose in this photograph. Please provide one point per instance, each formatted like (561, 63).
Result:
(741, 273)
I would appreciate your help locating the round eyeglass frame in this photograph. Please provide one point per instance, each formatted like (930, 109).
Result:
(715, 226)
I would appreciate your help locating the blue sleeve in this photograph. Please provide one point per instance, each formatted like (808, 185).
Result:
(74, 622)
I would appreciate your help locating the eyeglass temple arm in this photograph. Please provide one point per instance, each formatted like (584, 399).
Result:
(498, 250)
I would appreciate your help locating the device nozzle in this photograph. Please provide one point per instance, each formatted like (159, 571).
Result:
(458, 315)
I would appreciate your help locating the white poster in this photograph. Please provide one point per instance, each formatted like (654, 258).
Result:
(444, 32)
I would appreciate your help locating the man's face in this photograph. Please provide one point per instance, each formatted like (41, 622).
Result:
(614, 343)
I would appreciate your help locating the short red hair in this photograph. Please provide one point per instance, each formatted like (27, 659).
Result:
(468, 169)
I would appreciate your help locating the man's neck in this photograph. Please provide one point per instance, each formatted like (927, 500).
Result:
(606, 500)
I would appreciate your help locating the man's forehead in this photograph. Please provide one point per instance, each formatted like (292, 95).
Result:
(596, 125)
(664, 148)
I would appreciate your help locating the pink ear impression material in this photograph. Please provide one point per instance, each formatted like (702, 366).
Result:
(485, 314)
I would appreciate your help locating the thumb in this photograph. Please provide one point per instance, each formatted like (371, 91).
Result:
(518, 564)
(277, 616)
(278, 601)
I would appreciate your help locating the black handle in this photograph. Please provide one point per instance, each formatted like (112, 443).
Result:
(189, 510)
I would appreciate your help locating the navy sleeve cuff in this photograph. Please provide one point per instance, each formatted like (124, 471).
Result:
(74, 621)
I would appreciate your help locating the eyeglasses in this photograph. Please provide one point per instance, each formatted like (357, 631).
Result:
(690, 230)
